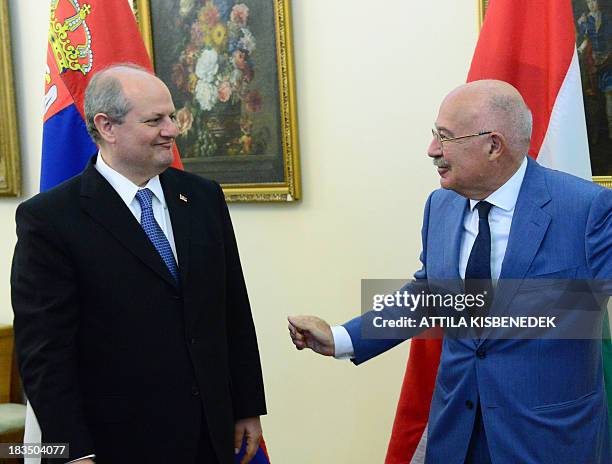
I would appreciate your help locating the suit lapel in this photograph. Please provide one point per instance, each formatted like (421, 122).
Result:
(453, 228)
(100, 201)
(529, 225)
(178, 201)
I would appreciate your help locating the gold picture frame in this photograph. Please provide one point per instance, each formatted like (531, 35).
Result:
(253, 170)
(10, 176)
(482, 9)
(604, 180)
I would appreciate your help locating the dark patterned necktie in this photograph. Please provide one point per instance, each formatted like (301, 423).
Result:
(154, 232)
(478, 270)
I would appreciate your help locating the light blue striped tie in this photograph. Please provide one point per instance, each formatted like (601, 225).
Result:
(154, 232)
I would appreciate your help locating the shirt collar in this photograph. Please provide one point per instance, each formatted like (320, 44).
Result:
(124, 187)
(506, 196)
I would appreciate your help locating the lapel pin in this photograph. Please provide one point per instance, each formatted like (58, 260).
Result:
(182, 197)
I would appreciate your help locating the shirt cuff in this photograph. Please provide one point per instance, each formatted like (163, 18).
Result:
(342, 343)
(89, 456)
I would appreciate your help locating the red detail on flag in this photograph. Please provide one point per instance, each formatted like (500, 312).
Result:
(530, 44)
(115, 38)
(412, 411)
(109, 29)
(262, 445)
(57, 96)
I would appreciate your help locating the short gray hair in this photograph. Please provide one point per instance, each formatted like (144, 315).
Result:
(104, 94)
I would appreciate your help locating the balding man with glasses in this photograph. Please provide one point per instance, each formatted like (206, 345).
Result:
(501, 221)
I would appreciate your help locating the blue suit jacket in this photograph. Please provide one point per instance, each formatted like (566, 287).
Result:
(542, 401)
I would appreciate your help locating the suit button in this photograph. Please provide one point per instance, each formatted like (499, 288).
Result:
(193, 341)
(469, 404)
(481, 353)
(195, 391)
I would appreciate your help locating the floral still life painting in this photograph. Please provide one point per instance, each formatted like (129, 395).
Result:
(231, 79)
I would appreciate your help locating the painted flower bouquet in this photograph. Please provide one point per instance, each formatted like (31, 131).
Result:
(214, 74)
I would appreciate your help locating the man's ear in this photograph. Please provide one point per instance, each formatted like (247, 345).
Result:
(497, 145)
(105, 126)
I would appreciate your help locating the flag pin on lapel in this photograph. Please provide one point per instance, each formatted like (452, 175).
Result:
(182, 197)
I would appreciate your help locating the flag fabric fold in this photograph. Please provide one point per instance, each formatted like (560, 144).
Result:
(409, 433)
(531, 45)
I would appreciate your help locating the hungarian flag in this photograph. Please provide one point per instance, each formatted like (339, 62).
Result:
(531, 45)
(84, 37)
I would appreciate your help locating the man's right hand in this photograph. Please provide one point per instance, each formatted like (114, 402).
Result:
(311, 332)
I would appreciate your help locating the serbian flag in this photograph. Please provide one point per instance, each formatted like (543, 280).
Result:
(531, 45)
(84, 37)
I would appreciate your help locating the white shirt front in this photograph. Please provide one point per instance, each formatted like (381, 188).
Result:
(127, 190)
(500, 219)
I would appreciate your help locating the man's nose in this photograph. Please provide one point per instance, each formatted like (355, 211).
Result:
(170, 129)
(435, 148)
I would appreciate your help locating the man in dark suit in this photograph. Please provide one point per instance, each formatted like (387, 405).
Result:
(133, 327)
(501, 217)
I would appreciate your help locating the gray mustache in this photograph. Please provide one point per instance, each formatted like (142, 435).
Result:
(440, 163)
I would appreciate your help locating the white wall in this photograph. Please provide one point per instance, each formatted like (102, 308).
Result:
(370, 76)
(29, 25)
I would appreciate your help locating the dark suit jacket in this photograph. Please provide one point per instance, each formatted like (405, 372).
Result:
(116, 359)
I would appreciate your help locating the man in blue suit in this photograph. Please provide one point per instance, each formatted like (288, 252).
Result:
(500, 215)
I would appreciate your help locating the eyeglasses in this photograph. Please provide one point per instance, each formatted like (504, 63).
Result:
(441, 139)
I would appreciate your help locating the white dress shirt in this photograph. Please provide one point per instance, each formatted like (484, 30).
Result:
(127, 190)
(500, 219)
